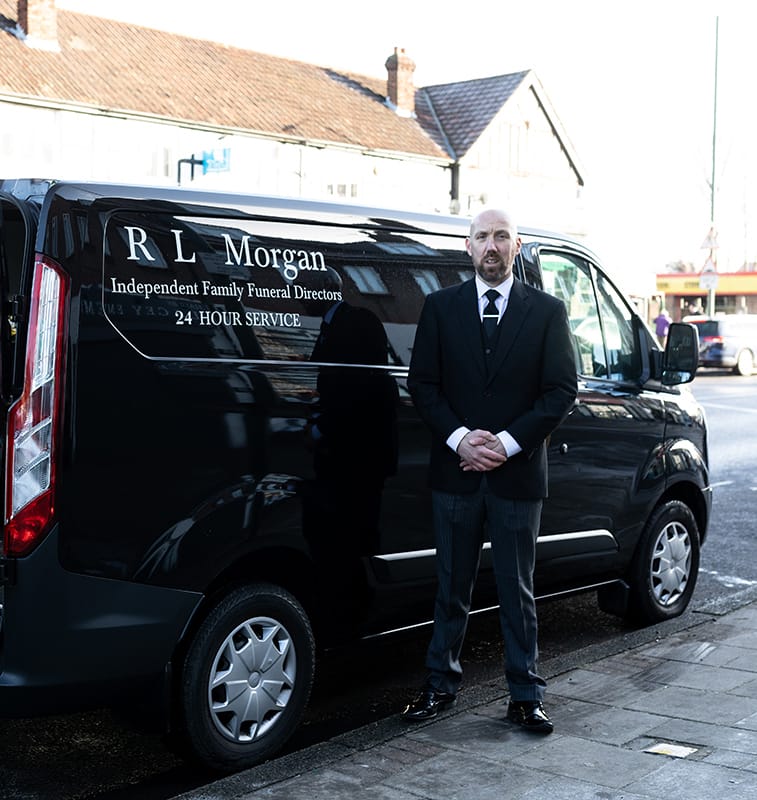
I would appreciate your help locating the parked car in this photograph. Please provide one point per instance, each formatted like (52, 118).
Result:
(199, 494)
(728, 342)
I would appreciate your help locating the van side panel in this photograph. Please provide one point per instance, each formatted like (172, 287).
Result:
(72, 640)
(198, 406)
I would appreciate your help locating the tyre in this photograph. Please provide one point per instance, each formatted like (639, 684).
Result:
(246, 678)
(744, 363)
(666, 565)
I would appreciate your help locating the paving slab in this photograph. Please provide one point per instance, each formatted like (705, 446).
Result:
(671, 716)
(695, 780)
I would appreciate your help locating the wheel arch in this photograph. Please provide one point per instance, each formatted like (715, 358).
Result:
(617, 598)
(690, 495)
(695, 498)
(287, 568)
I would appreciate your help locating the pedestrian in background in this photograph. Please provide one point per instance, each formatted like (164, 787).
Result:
(492, 374)
(662, 325)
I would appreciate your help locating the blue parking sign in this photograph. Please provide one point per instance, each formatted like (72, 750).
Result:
(216, 160)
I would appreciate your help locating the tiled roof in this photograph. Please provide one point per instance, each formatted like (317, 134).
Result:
(464, 109)
(119, 66)
(116, 66)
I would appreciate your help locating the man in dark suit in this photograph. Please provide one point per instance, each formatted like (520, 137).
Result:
(492, 374)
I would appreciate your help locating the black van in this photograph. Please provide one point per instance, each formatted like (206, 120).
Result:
(198, 490)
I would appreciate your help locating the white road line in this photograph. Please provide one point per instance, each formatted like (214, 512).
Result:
(729, 408)
(729, 581)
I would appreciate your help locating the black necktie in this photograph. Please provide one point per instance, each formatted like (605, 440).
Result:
(490, 316)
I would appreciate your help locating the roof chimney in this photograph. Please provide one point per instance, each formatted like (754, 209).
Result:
(399, 83)
(38, 23)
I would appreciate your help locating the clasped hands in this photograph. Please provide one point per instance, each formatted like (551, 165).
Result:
(480, 451)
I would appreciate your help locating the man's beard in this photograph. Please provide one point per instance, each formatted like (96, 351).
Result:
(493, 269)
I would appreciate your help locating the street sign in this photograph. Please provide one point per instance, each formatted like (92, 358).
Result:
(218, 160)
(708, 280)
(711, 240)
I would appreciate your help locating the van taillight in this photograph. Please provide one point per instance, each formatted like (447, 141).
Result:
(33, 420)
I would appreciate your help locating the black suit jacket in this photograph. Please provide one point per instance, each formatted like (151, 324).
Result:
(528, 389)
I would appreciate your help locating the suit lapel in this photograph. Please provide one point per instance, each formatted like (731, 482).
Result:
(469, 322)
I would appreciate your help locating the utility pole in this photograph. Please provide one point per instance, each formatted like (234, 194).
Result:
(712, 260)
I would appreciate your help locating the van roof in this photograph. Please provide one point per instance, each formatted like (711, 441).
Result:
(37, 190)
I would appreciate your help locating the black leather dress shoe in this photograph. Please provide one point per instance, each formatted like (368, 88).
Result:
(428, 704)
(530, 715)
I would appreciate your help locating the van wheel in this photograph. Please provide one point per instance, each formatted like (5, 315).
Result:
(247, 677)
(666, 565)
(744, 363)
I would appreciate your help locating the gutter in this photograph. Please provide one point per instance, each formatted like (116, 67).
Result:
(208, 127)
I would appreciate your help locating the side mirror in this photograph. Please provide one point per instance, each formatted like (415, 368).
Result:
(681, 357)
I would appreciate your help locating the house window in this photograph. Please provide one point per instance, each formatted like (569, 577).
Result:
(342, 189)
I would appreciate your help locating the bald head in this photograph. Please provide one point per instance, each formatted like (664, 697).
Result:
(494, 216)
(492, 245)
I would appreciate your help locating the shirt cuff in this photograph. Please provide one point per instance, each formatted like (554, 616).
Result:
(512, 448)
(454, 439)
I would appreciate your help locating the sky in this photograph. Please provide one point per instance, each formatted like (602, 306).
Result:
(632, 83)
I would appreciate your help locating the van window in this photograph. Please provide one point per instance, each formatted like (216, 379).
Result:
(617, 326)
(204, 287)
(13, 236)
(570, 281)
(600, 321)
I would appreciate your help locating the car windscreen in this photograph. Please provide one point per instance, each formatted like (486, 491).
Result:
(708, 328)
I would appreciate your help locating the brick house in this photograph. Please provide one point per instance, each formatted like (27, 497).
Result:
(86, 97)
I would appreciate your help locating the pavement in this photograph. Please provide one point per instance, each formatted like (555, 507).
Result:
(669, 711)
